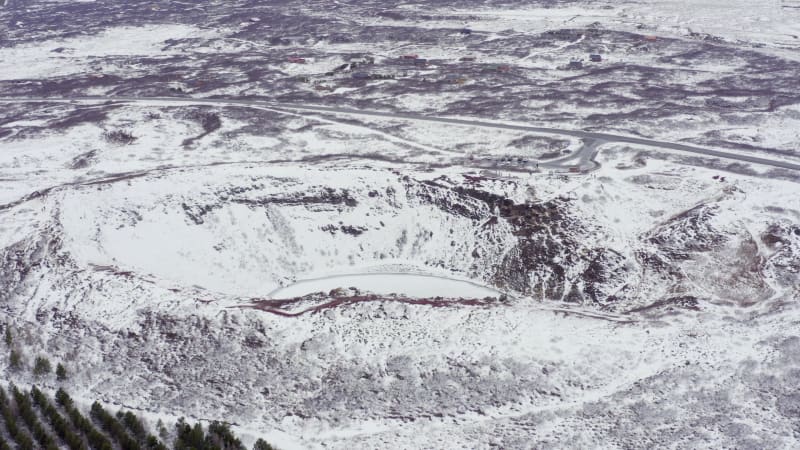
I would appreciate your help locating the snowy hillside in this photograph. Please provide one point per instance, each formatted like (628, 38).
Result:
(355, 225)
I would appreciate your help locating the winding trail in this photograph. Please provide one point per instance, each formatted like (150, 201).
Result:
(592, 139)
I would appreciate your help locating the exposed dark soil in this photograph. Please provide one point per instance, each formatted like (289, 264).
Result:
(620, 92)
(283, 307)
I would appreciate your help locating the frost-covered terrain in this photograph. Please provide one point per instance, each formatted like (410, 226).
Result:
(551, 224)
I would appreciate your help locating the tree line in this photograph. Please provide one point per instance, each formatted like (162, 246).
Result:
(41, 364)
(33, 420)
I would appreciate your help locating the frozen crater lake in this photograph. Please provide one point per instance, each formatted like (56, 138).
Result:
(412, 285)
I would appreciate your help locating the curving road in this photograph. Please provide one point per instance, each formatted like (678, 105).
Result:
(582, 158)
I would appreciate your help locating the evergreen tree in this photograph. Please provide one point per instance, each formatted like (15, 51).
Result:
(262, 445)
(25, 410)
(162, 430)
(113, 427)
(220, 435)
(61, 372)
(190, 437)
(129, 432)
(24, 442)
(152, 443)
(63, 399)
(60, 425)
(41, 366)
(133, 424)
(96, 439)
(9, 338)
(139, 432)
(15, 360)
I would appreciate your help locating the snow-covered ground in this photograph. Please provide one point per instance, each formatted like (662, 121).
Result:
(86, 54)
(649, 303)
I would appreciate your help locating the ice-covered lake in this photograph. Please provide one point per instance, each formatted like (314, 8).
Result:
(411, 285)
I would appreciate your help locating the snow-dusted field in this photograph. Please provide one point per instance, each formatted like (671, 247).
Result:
(329, 280)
